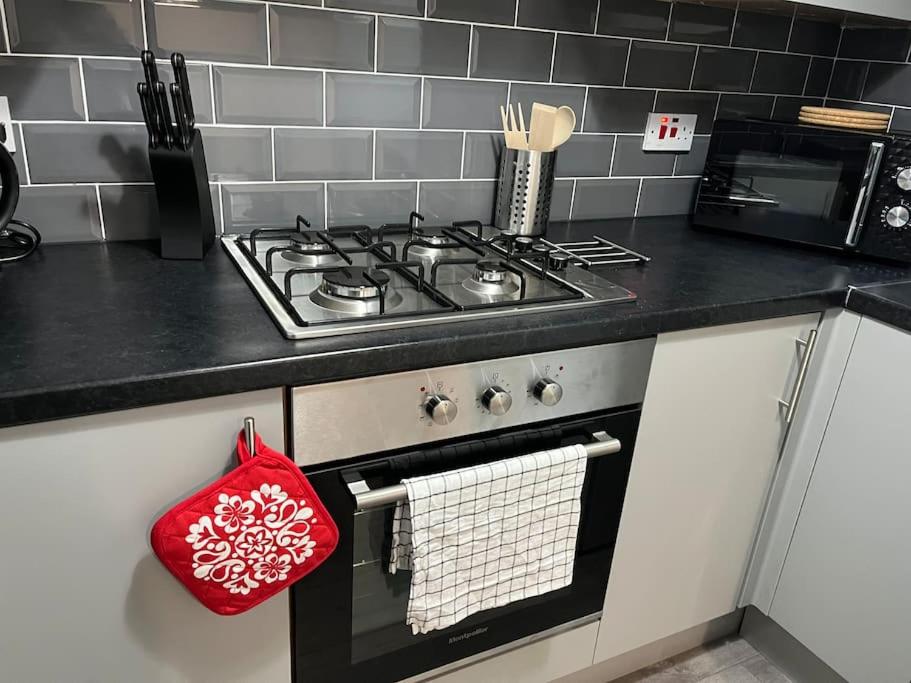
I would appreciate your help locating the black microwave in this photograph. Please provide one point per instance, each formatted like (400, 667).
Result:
(825, 187)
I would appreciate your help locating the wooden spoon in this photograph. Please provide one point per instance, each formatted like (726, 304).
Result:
(564, 123)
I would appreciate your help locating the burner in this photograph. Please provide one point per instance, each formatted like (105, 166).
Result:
(309, 251)
(432, 247)
(491, 278)
(348, 290)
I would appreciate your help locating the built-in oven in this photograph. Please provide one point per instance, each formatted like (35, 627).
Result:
(828, 187)
(357, 440)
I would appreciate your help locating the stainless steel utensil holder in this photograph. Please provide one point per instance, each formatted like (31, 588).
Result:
(525, 190)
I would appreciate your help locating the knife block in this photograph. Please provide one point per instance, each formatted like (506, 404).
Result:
(184, 202)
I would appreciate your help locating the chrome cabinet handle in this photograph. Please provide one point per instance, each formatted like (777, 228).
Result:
(743, 199)
(791, 404)
(865, 194)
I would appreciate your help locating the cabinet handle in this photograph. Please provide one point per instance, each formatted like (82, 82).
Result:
(791, 404)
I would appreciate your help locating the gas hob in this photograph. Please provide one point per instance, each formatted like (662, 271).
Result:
(319, 283)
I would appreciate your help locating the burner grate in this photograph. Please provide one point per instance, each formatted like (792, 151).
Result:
(599, 252)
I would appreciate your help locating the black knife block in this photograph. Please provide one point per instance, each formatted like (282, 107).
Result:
(184, 202)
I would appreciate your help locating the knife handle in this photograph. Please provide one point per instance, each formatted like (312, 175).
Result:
(183, 80)
(149, 67)
(164, 111)
(180, 117)
(148, 114)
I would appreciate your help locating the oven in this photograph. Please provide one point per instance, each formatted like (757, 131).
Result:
(356, 440)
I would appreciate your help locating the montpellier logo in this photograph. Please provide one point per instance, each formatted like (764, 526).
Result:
(469, 634)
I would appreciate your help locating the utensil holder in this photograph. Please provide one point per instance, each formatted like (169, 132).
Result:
(184, 202)
(525, 191)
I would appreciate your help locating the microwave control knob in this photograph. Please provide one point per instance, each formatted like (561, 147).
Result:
(903, 179)
(547, 391)
(440, 409)
(497, 400)
(898, 217)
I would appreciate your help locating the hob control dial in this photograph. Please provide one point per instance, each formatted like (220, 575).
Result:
(903, 179)
(441, 409)
(897, 217)
(497, 400)
(547, 391)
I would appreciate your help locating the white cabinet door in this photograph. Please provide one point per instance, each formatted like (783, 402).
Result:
(82, 597)
(845, 591)
(897, 9)
(708, 444)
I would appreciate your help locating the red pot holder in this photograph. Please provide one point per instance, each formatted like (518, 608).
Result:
(247, 536)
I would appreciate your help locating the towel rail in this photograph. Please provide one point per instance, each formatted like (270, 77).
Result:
(366, 498)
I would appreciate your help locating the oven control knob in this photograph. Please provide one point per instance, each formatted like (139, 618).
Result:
(898, 217)
(497, 400)
(547, 391)
(440, 409)
(903, 178)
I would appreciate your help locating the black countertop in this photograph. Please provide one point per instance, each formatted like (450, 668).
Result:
(91, 328)
(888, 303)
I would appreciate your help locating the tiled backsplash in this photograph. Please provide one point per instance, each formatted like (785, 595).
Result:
(363, 110)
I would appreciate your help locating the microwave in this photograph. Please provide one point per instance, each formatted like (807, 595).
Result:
(825, 187)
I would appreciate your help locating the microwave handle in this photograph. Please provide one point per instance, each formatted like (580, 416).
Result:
(865, 194)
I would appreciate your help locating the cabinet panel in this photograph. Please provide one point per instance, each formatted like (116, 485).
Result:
(707, 448)
(897, 9)
(844, 591)
(82, 596)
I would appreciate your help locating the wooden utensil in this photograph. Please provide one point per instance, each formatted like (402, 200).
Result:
(564, 124)
(541, 135)
(515, 139)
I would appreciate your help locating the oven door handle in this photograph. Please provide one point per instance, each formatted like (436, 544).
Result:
(366, 498)
(865, 194)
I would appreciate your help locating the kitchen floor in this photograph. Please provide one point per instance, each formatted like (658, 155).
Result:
(731, 660)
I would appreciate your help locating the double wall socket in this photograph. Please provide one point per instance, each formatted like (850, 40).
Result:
(669, 132)
(7, 134)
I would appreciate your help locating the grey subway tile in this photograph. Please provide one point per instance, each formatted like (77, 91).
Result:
(485, 11)
(630, 160)
(264, 96)
(723, 69)
(482, 155)
(66, 27)
(745, 106)
(585, 155)
(62, 214)
(780, 74)
(209, 29)
(472, 105)
(553, 95)
(461, 200)
(412, 46)
(591, 60)
(323, 154)
(411, 7)
(130, 212)
(888, 83)
(693, 162)
(818, 77)
(74, 152)
(889, 42)
(901, 121)
(110, 86)
(362, 100)
(246, 207)
(787, 108)
(320, 38)
(765, 30)
(614, 110)
(667, 196)
(814, 35)
(18, 158)
(402, 155)
(238, 153)
(703, 24)
(561, 200)
(370, 203)
(615, 198)
(42, 87)
(660, 65)
(511, 53)
(848, 79)
(634, 18)
(217, 213)
(703, 105)
(565, 15)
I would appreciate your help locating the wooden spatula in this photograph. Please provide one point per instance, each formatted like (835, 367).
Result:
(543, 119)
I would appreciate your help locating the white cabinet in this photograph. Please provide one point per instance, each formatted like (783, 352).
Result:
(82, 597)
(897, 9)
(844, 591)
(707, 449)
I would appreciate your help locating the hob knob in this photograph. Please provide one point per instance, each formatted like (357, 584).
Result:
(440, 409)
(903, 179)
(898, 217)
(497, 400)
(547, 391)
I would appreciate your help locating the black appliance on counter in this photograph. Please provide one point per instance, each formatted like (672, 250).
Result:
(827, 187)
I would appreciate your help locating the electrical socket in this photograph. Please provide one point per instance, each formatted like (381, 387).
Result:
(669, 132)
(6, 121)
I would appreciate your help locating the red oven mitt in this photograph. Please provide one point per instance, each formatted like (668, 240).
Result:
(247, 536)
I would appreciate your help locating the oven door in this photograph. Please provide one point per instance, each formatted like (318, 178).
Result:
(791, 182)
(348, 616)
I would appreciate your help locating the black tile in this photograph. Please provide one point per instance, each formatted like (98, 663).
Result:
(487, 11)
(614, 110)
(848, 80)
(511, 53)
(414, 46)
(818, 78)
(814, 36)
(565, 15)
(723, 69)
(660, 65)
(635, 18)
(880, 42)
(901, 121)
(412, 7)
(693, 162)
(777, 73)
(590, 60)
(763, 30)
(701, 24)
(745, 106)
(667, 196)
(702, 104)
(888, 83)
(630, 160)
(788, 108)
(94, 28)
